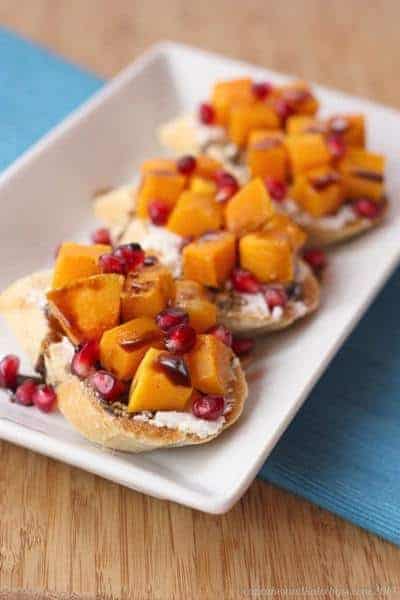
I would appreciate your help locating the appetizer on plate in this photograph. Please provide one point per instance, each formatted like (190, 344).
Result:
(132, 370)
(229, 241)
(317, 170)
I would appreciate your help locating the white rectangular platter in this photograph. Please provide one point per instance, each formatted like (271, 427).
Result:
(45, 198)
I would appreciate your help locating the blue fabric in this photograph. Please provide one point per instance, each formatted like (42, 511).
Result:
(342, 451)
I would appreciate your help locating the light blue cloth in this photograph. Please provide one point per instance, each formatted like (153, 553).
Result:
(342, 451)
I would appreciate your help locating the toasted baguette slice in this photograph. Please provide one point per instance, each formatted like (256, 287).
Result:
(22, 307)
(181, 135)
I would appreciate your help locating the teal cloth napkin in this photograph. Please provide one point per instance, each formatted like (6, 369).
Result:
(342, 451)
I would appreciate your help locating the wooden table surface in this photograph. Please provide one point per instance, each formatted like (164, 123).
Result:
(64, 530)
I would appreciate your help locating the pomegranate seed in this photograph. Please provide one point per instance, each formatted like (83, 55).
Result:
(24, 392)
(208, 407)
(275, 296)
(85, 358)
(244, 281)
(9, 367)
(226, 192)
(223, 178)
(111, 264)
(336, 146)
(261, 89)
(316, 258)
(180, 339)
(367, 208)
(206, 113)
(44, 397)
(101, 236)
(171, 317)
(132, 255)
(159, 212)
(284, 109)
(276, 188)
(222, 333)
(242, 346)
(186, 164)
(108, 386)
(175, 368)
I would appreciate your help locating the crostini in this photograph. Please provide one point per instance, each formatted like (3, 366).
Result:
(132, 370)
(231, 240)
(317, 170)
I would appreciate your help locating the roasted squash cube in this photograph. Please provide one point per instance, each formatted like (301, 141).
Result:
(244, 119)
(75, 261)
(210, 259)
(284, 224)
(249, 208)
(87, 307)
(192, 297)
(210, 365)
(195, 214)
(268, 255)
(319, 192)
(146, 292)
(350, 127)
(123, 347)
(152, 388)
(363, 174)
(206, 166)
(200, 185)
(230, 93)
(158, 165)
(307, 151)
(267, 154)
(298, 124)
(159, 186)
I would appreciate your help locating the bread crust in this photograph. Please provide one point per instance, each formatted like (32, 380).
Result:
(78, 402)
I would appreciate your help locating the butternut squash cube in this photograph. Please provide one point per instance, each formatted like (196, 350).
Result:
(210, 365)
(350, 127)
(230, 93)
(363, 174)
(200, 185)
(206, 166)
(298, 124)
(210, 259)
(123, 347)
(161, 186)
(146, 292)
(244, 119)
(284, 224)
(249, 208)
(268, 255)
(153, 390)
(75, 261)
(158, 165)
(195, 214)
(267, 154)
(307, 151)
(320, 192)
(87, 307)
(192, 297)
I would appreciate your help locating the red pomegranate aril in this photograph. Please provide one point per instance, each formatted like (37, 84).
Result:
(242, 346)
(108, 386)
(226, 192)
(222, 178)
(208, 407)
(261, 89)
(275, 296)
(284, 109)
(85, 359)
(111, 264)
(222, 333)
(101, 236)
(9, 368)
(243, 281)
(186, 165)
(159, 212)
(175, 368)
(336, 146)
(367, 208)
(171, 317)
(276, 188)
(206, 113)
(44, 398)
(316, 258)
(132, 255)
(180, 339)
(24, 392)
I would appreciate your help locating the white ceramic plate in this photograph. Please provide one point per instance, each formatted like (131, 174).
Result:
(45, 197)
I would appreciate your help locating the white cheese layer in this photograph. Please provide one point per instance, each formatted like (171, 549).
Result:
(340, 219)
(166, 245)
(184, 422)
